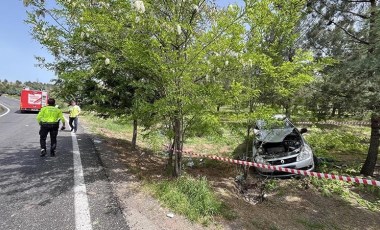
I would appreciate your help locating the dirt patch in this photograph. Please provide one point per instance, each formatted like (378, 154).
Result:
(286, 204)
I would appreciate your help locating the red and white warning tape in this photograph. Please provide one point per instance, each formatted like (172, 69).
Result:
(293, 171)
(334, 123)
(360, 123)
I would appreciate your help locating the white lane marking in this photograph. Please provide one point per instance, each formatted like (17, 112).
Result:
(6, 109)
(82, 211)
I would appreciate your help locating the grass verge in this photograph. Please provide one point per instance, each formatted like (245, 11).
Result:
(343, 151)
(192, 197)
(345, 146)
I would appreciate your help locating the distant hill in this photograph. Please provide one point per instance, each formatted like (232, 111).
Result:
(14, 88)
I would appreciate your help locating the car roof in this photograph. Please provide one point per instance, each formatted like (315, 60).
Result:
(279, 116)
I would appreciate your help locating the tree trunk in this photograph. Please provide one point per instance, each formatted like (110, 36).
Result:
(295, 109)
(247, 144)
(287, 111)
(177, 147)
(340, 112)
(287, 108)
(249, 126)
(370, 162)
(170, 159)
(333, 112)
(134, 138)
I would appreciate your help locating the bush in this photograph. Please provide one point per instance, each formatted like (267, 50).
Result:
(324, 142)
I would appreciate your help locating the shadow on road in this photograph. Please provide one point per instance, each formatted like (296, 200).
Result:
(27, 177)
(26, 112)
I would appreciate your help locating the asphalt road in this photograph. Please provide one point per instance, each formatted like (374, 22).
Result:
(41, 192)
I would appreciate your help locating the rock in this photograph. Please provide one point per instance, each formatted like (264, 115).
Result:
(171, 215)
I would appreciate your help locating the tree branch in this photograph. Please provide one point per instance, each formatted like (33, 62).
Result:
(361, 1)
(212, 41)
(331, 21)
(356, 14)
(350, 34)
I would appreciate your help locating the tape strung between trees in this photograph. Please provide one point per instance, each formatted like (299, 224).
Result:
(359, 123)
(292, 171)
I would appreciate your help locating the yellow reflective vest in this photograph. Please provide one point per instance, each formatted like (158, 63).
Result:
(50, 114)
(74, 111)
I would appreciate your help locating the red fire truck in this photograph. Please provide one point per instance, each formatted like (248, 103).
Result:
(32, 100)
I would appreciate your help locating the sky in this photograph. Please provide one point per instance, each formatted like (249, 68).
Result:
(18, 49)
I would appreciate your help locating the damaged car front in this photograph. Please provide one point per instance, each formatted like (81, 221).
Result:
(281, 144)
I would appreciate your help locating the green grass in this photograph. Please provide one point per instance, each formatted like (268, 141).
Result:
(153, 140)
(311, 224)
(111, 124)
(191, 197)
(344, 190)
(272, 185)
(261, 224)
(338, 142)
(12, 96)
(346, 145)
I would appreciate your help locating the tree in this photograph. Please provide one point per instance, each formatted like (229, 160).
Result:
(154, 51)
(355, 76)
(87, 39)
(280, 67)
(194, 35)
(166, 63)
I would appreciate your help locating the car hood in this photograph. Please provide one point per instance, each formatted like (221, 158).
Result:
(274, 135)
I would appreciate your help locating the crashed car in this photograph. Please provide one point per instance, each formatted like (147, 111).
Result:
(281, 144)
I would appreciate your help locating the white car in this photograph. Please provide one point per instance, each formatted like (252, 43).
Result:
(281, 144)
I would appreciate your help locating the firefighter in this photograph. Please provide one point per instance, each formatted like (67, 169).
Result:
(48, 118)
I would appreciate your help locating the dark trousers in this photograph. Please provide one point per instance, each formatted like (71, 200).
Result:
(75, 120)
(44, 131)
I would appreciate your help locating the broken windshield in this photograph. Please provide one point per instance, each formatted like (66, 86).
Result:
(274, 130)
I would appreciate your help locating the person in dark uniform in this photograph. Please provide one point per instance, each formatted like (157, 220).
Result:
(49, 118)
